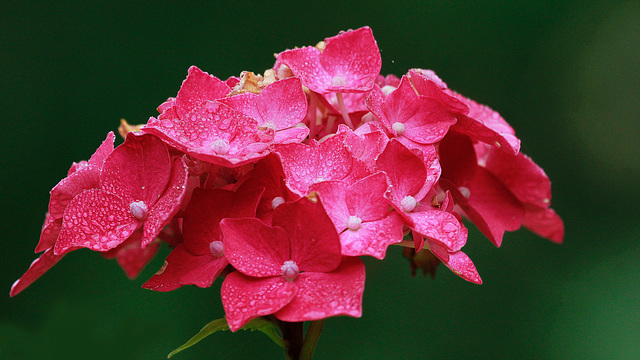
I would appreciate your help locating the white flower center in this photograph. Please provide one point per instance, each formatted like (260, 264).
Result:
(338, 81)
(139, 210)
(277, 201)
(398, 127)
(354, 223)
(216, 248)
(220, 147)
(408, 203)
(290, 270)
(464, 191)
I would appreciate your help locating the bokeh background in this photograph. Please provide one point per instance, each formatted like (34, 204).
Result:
(565, 74)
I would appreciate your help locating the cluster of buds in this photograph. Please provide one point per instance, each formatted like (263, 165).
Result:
(280, 182)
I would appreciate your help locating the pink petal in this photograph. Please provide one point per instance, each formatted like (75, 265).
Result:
(441, 226)
(295, 134)
(304, 165)
(137, 170)
(365, 198)
(37, 268)
(333, 195)
(350, 62)
(196, 88)
(215, 133)
(373, 237)
(321, 295)
(85, 178)
(283, 103)
(546, 223)
(315, 245)
(168, 205)
(208, 207)
(97, 220)
(425, 120)
(486, 125)
(132, 257)
(428, 84)
(245, 298)
(254, 248)
(183, 268)
(406, 171)
(366, 143)
(526, 180)
(103, 151)
(491, 206)
(49, 235)
(462, 266)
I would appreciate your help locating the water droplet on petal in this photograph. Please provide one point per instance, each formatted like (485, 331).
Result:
(220, 147)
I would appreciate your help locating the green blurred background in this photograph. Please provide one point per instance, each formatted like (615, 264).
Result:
(565, 74)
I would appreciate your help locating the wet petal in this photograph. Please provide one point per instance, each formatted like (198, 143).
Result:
(321, 295)
(245, 298)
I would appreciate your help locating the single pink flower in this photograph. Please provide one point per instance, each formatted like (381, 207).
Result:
(361, 215)
(292, 269)
(139, 184)
(349, 62)
(206, 129)
(330, 159)
(413, 119)
(281, 107)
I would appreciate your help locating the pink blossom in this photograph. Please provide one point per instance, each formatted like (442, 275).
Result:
(139, 184)
(349, 62)
(292, 269)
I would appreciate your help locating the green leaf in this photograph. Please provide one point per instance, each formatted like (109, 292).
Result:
(259, 324)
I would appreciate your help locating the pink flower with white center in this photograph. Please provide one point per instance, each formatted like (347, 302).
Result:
(361, 215)
(139, 184)
(281, 107)
(349, 62)
(197, 124)
(201, 257)
(413, 119)
(292, 269)
(330, 159)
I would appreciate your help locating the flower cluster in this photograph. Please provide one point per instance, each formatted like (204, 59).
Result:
(280, 182)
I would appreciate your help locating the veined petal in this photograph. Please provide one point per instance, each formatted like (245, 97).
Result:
(321, 295)
(245, 298)
(97, 220)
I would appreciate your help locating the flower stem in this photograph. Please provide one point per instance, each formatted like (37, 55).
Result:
(310, 341)
(343, 111)
(292, 337)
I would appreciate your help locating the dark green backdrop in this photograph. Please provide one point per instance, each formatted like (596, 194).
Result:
(564, 74)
